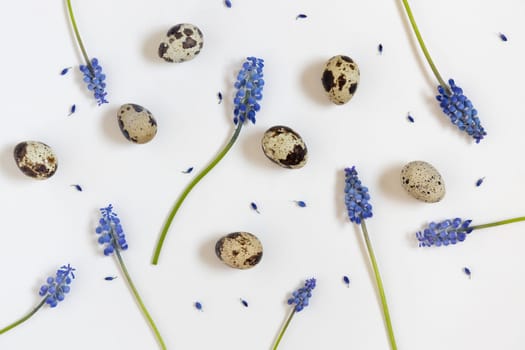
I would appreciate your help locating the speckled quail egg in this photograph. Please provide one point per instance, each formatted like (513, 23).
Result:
(183, 42)
(284, 147)
(423, 182)
(136, 123)
(240, 250)
(35, 159)
(340, 79)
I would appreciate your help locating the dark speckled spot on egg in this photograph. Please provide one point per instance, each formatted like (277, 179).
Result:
(241, 250)
(285, 147)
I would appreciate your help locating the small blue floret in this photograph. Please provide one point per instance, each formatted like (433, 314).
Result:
(301, 296)
(249, 87)
(356, 197)
(57, 287)
(444, 233)
(94, 79)
(110, 231)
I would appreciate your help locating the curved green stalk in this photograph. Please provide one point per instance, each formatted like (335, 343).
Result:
(77, 34)
(138, 298)
(188, 189)
(424, 47)
(25, 318)
(379, 282)
(498, 223)
(285, 326)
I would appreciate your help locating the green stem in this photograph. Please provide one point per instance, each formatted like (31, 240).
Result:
(424, 48)
(139, 299)
(77, 34)
(498, 223)
(281, 333)
(188, 188)
(25, 318)
(379, 282)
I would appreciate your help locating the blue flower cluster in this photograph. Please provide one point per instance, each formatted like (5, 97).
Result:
(249, 87)
(444, 233)
(460, 111)
(110, 231)
(356, 197)
(57, 287)
(301, 296)
(94, 78)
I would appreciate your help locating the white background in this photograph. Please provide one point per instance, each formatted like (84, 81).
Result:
(434, 305)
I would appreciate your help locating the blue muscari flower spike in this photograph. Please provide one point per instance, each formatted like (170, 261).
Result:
(94, 79)
(460, 111)
(301, 296)
(444, 233)
(110, 231)
(249, 87)
(356, 197)
(57, 287)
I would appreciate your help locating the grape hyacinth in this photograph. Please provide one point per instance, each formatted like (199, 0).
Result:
(92, 71)
(249, 86)
(452, 101)
(111, 236)
(94, 79)
(53, 292)
(460, 111)
(299, 299)
(453, 231)
(356, 198)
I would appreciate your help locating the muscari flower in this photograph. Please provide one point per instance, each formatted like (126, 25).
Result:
(92, 71)
(451, 99)
(112, 237)
(249, 85)
(53, 292)
(357, 198)
(299, 299)
(452, 231)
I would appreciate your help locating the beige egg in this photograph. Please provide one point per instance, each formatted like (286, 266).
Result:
(340, 79)
(136, 123)
(35, 159)
(285, 147)
(183, 42)
(423, 182)
(240, 250)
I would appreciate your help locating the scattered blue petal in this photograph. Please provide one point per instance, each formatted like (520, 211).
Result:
(302, 295)
(65, 71)
(110, 278)
(503, 37)
(72, 109)
(444, 233)
(300, 16)
(228, 3)
(244, 302)
(254, 207)
(198, 306)
(346, 280)
(187, 171)
(219, 96)
(410, 118)
(467, 272)
(380, 48)
(479, 182)
(301, 204)
(78, 188)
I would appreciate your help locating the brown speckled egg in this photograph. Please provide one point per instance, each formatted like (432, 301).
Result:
(285, 147)
(423, 182)
(340, 79)
(35, 159)
(182, 43)
(241, 250)
(136, 123)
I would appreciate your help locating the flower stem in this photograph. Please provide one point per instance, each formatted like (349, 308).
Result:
(281, 333)
(77, 34)
(188, 189)
(498, 223)
(25, 318)
(424, 48)
(139, 300)
(379, 282)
